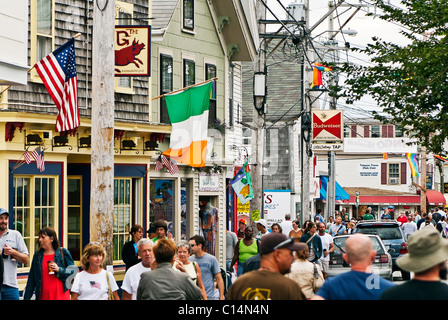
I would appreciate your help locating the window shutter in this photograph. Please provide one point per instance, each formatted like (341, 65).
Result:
(403, 173)
(366, 131)
(353, 135)
(384, 173)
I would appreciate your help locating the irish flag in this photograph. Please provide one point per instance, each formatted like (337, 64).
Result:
(188, 113)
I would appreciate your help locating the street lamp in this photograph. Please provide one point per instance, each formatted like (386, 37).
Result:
(349, 32)
(260, 91)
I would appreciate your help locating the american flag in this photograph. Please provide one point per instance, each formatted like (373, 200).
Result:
(58, 72)
(27, 157)
(159, 164)
(38, 155)
(171, 166)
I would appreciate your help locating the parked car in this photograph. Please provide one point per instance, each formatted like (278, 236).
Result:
(381, 266)
(392, 236)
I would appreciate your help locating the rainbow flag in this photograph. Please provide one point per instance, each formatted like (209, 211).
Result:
(317, 74)
(385, 155)
(413, 164)
(441, 157)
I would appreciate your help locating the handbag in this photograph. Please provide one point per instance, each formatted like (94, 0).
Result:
(110, 293)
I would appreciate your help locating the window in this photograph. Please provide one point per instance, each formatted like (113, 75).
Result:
(398, 132)
(188, 14)
(74, 218)
(231, 98)
(166, 84)
(124, 13)
(210, 73)
(162, 202)
(394, 173)
(347, 131)
(375, 131)
(122, 214)
(34, 207)
(189, 72)
(42, 32)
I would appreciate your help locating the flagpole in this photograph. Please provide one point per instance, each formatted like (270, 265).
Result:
(193, 85)
(75, 36)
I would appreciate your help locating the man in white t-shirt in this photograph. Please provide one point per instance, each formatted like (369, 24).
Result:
(286, 225)
(132, 276)
(327, 248)
(13, 250)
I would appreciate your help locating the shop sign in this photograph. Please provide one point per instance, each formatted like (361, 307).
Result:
(276, 204)
(327, 125)
(132, 51)
(208, 182)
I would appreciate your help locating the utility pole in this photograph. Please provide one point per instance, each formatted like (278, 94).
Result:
(257, 141)
(102, 128)
(331, 155)
(423, 181)
(306, 117)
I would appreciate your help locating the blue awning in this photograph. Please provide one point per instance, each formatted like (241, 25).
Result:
(339, 192)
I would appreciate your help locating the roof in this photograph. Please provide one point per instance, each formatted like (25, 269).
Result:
(162, 11)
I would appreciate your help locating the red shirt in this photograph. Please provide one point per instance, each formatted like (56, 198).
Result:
(51, 288)
(402, 219)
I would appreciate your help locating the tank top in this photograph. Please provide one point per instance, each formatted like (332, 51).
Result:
(245, 252)
(191, 271)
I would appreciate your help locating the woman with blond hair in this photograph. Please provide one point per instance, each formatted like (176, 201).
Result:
(94, 283)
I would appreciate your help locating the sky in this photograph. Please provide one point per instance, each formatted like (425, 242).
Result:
(365, 26)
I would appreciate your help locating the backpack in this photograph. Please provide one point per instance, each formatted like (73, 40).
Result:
(228, 278)
(436, 216)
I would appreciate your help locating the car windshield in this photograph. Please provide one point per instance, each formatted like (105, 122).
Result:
(385, 232)
(339, 245)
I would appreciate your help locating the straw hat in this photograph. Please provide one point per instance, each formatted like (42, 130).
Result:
(426, 249)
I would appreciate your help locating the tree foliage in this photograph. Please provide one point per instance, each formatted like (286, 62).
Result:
(408, 82)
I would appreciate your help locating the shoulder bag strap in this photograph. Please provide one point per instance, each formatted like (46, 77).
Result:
(110, 293)
(310, 239)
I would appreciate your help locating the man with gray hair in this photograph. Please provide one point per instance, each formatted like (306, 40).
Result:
(359, 283)
(132, 276)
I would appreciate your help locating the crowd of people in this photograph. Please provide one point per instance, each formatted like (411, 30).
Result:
(285, 261)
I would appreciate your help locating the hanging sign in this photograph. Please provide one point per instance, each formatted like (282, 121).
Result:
(132, 51)
(327, 125)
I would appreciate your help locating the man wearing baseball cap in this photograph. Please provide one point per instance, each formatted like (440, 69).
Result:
(262, 227)
(268, 282)
(428, 253)
(13, 250)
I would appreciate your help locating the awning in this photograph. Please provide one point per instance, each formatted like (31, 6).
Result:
(435, 198)
(339, 193)
(386, 200)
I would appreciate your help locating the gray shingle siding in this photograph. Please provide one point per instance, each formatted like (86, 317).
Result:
(71, 19)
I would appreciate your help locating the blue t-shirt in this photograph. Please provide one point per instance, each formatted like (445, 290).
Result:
(209, 267)
(354, 285)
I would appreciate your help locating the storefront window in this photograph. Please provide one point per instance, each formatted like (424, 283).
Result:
(162, 202)
(33, 195)
(74, 218)
(122, 214)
